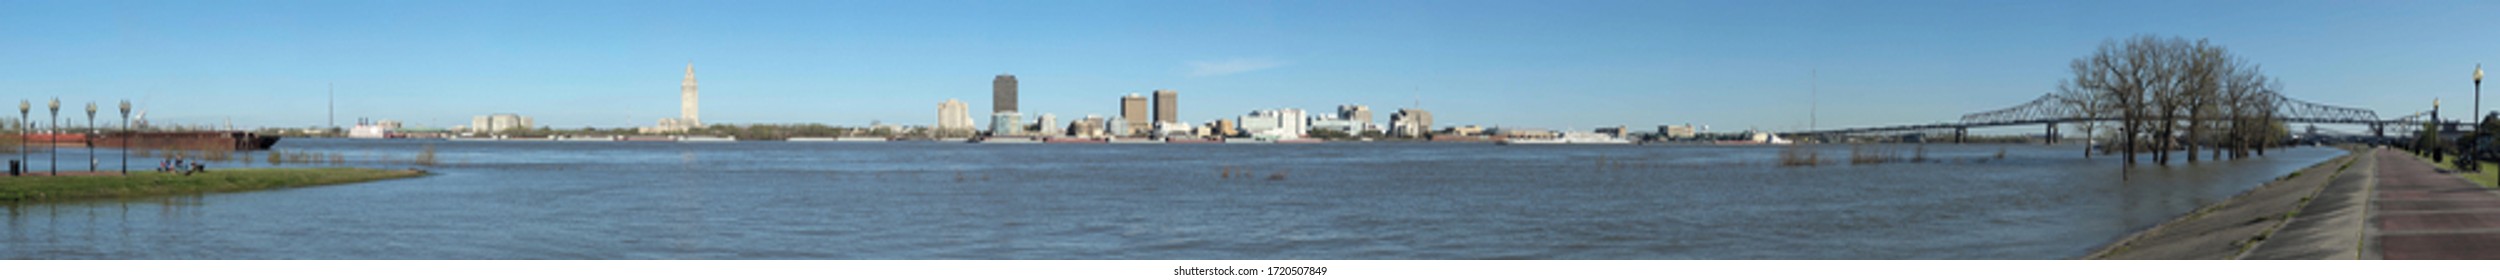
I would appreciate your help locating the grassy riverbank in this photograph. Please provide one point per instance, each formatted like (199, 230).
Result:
(142, 184)
(2486, 177)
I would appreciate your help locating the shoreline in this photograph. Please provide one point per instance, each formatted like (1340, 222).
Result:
(2281, 219)
(40, 189)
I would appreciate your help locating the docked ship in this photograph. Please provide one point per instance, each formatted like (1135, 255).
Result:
(718, 139)
(1006, 140)
(586, 138)
(1066, 140)
(838, 139)
(1567, 138)
(1193, 140)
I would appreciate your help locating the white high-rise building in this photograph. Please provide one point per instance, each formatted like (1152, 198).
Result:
(687, 111)
(688, 115)
(953, 115)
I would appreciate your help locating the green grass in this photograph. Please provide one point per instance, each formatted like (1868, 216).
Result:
(2483, 177)
(144, 184)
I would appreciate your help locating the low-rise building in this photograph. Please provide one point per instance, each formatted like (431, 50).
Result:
(1224, 128)
(1089, 127)
(1617, 131)
(1046, 125)
(1358, 114)
(1526, 133)
(1677, 132)
(1118, 127)
(1337, 123)
(1465, 130)
(1276, 123)
(671, 125)
(1006, 123)
(1410, 123)
(499, 122)
(1172, 129)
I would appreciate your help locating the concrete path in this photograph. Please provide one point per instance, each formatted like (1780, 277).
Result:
(2332, 224)
(2421, 213)
(2246, 226)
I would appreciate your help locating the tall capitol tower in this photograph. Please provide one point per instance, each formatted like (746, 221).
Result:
(686, 95)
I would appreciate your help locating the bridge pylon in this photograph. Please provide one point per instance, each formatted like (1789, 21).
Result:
(2052, 133)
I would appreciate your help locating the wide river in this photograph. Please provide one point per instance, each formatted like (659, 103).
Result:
(779, 200)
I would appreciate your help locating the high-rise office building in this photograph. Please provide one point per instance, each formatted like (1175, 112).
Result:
(1133, 115)
(1003, 93)
(1167, 107)
(952, 116)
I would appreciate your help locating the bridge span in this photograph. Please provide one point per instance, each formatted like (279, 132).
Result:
(2051, 110)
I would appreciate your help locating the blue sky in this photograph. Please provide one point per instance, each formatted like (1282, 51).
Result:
(1549, 64)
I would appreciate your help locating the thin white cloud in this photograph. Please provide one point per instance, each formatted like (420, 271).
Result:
(1232, 66)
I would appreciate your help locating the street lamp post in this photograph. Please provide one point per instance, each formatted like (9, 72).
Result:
(91, 140)
(23, 129)
(52, 147)
(126, 141)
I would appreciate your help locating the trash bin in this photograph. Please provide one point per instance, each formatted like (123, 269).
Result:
(13, 168)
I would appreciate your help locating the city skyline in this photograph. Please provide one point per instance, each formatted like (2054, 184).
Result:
(1640, 63)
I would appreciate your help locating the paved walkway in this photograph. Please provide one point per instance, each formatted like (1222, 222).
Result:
(2421, 213)
(2332, 221)
(2325, 204)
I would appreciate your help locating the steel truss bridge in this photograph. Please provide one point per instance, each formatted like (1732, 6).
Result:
(2051, 110)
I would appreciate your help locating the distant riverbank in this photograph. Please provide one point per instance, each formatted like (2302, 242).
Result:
(143, 184)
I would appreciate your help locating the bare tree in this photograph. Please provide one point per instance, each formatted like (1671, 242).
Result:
(2176, 93)
(2090, 110)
